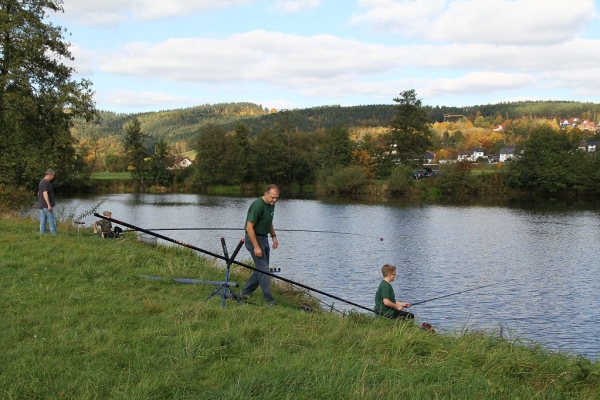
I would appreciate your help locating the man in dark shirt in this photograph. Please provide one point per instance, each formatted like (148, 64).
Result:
(259, 224)
(46, 202)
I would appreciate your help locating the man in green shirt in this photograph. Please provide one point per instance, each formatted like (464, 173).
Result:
(385, 299)
(259, 224)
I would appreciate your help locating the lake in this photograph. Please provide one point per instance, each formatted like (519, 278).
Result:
(541, 263)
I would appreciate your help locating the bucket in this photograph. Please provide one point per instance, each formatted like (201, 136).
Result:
(148, 239)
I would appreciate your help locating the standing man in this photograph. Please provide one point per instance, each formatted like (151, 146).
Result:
(259, 224)
(46, 202)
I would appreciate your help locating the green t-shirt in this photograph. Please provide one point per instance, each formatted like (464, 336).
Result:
(385, 291)
(261, 214)
(105, 226)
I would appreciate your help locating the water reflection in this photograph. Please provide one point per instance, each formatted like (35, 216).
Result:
(542, 262)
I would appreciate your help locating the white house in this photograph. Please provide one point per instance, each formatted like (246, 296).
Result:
(181, 163)
(471, 155)
(506, 153)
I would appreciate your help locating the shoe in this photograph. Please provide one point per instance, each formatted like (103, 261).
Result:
(271, 303)
(244, 296)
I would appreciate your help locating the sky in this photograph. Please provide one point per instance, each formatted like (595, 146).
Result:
(153, 55)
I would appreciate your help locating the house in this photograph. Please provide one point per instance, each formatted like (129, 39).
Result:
(181, 163)
(498, 128)
(506, 153)
(590, 147)
(471, 155)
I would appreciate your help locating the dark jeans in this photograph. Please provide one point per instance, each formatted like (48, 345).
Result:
(398, 314)
(262, 264)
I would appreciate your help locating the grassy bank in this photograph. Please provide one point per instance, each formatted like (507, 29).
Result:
(78, 322)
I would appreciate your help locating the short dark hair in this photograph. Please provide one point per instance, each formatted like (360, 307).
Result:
(270, 187)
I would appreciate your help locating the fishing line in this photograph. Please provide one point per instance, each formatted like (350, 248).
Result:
(278, 230)
(168, 239)
(453, 294)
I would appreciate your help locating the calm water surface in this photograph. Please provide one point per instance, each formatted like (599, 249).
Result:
(543, 264)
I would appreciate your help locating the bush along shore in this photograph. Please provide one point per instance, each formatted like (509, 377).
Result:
(79, 321)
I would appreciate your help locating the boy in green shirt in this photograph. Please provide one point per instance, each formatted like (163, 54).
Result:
(385, 299)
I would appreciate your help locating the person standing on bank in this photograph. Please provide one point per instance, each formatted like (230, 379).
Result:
(259, 224)
(46, 202)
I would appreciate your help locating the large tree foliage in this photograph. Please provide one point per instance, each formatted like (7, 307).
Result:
(336, 148)
(410, 133)
(135, 151)
(38, 97)
(550, 160)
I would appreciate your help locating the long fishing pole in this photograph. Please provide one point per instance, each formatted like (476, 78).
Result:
(168, 239)
(453, 294)
(278, 230)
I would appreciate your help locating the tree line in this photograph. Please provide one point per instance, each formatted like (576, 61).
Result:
(49, 120)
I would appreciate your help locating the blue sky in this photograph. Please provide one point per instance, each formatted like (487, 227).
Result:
(151, 55)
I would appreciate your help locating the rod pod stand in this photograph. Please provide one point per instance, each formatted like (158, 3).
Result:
(224, 290)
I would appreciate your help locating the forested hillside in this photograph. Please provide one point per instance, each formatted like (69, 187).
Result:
(454, 129)
(184, 124)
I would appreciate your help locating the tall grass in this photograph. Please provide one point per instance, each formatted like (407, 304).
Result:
(78, 322)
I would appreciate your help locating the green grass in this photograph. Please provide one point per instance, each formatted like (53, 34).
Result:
(112, 176)
(78, 322)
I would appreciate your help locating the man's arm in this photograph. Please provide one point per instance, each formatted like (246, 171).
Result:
(47, 200)
(274, 237)
(252, 235)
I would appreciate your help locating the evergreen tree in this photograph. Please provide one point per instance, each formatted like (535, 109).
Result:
(136, 154)
(160, 162)
(410, 133)
(38, 97)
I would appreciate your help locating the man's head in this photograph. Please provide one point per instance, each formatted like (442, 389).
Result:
(49, 174)
(271, 194)
(388, 270)
(107, 214)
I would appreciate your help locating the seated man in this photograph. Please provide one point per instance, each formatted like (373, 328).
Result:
(106, 230)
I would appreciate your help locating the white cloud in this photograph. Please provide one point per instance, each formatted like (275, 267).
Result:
(129, 98)
(293, 6)
(254, 56)
(477, 83)
(479, 21)
(83, 62)
(111, 12)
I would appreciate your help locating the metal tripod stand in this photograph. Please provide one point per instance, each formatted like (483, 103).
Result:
(224, 290)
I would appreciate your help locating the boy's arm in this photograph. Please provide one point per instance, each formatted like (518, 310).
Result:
(95, 228)
(396, 306)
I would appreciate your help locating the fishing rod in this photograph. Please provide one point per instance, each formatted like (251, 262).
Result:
(453, 294)
(168, 239)
(278, 230)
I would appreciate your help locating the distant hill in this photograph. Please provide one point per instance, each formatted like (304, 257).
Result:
(184, 124)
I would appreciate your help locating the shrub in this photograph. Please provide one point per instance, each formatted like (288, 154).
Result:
(14, 198)
(348, 180)
(400, 179)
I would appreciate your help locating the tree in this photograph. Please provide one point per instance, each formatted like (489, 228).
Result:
(550, 161)
(38, 98)
(136, 153)
(410, 128)
(212, 147)
(160, 162)
(336, 149)
(270, 164)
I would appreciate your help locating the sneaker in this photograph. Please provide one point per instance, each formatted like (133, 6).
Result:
(271, 303)
(244, 296)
